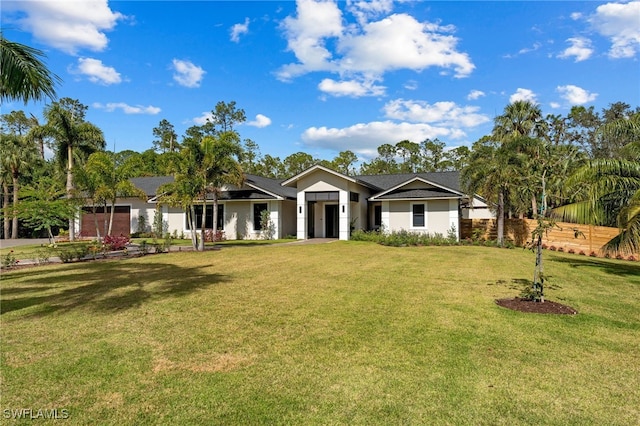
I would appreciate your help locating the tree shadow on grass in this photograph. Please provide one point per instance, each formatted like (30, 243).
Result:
(103, 286)
(605, 265)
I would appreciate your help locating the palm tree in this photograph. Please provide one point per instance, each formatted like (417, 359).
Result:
(74, 138)
(111, 183)
(23, 76)
(220, 166)
(17, 155)
(520, 118)
(490, 173)
(609, 191)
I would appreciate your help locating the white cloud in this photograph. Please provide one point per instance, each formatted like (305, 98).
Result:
(575, 95)
(554, 105)
(350, 88)
(239, 29)
(128, 109)
(366, 10)
(475, 94)
(97, 72)
(619, 22)
(202, 120)
(523, 95)
(533, 48)
(443, 113)
(365, 138)
(580, 48)
(367, 50)
(260, 121)
(187, 74)
(411, 85)
(67, 25)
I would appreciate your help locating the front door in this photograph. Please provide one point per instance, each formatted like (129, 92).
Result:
(331, 220)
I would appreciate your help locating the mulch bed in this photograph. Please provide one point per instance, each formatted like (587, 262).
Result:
(525, 305)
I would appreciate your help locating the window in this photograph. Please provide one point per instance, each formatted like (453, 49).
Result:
(258, 208)
(209, 217)
(354, 197)
(418, 216)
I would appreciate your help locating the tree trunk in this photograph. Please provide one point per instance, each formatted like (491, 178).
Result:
(105, 221)
(534, 206)
(203, 225)
(14, 212)
(192, 225)
(95, 221)
(113, 208)
(5, 217)
(501, 219)
(215, 216)
(72, 220)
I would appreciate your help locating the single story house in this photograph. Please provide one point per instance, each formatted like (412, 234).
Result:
(317, 203)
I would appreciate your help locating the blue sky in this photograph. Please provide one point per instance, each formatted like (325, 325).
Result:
(323, 76)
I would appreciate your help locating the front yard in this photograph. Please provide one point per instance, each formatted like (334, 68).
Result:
(339, 333)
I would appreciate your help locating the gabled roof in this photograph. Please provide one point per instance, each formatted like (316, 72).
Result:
(449, 180)
(431, 188)
(313, 169)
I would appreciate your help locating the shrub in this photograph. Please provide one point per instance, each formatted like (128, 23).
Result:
(561, 249)
(593, 254)
(572, 251)
(582, 253)
(632, 258)
(144, 247)
(9, 260)
(209, 237)
(619, 257)
(43, 254)
(116, 243)
(552, 248)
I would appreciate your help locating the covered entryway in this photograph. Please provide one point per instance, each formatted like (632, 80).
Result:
(121, 221)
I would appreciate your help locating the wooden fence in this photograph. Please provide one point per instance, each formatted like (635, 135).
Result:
(568, 237)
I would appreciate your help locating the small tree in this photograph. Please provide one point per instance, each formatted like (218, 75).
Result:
(268, 227)
(158, 224)
(42, 205)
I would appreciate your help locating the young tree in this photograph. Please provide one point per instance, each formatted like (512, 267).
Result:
(42, 205)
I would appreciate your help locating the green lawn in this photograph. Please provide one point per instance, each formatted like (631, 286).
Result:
(339, 333)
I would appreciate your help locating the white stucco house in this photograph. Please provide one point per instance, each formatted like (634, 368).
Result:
(317, 203)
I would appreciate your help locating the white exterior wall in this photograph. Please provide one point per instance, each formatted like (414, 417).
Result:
(480, 210)
(438, 220)
(440, 215)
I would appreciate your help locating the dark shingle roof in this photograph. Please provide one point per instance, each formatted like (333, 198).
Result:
(272, 185)
(449, 180)
(151, 184)
(418, 194)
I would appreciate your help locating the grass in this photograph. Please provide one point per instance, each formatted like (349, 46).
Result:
(340, 333)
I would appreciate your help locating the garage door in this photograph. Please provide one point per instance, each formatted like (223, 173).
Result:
(121, 221)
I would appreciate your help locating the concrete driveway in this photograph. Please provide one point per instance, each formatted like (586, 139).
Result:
(22, 242)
